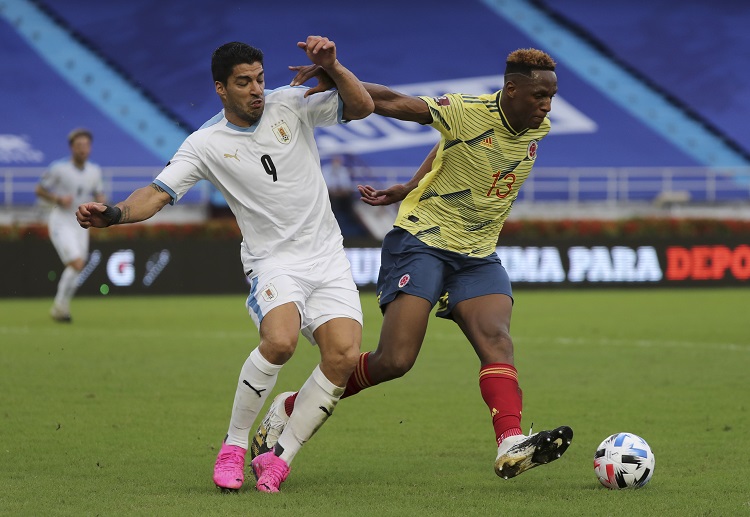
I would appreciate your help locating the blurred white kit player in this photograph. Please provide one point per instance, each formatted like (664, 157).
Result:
(66, 184)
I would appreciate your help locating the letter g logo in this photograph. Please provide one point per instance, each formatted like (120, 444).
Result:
(120, 268)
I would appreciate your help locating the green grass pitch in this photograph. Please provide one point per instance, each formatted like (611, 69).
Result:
(122, 412)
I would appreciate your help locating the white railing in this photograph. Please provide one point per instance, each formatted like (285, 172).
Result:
(18, 184)
(566, 185)
(609, 185)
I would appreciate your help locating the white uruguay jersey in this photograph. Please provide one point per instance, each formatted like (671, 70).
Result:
(63, 178)
(269, 174)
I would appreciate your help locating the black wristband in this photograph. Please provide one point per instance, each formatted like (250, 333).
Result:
(112, 215)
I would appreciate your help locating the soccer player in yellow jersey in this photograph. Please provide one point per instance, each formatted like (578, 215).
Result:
(442, 247)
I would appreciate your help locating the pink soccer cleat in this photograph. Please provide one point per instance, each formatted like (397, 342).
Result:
(270, 471)
(229, 470)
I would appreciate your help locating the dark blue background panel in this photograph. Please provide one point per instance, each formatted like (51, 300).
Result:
(697, 51)
(165, 49)
(39, 108)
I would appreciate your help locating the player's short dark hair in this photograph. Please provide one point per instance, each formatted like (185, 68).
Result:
(229, 55)
(525, 60)
(78, 132)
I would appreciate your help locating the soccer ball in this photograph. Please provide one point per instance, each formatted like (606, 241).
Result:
(624, 460)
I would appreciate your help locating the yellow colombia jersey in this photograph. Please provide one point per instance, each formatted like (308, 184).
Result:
(462, 203)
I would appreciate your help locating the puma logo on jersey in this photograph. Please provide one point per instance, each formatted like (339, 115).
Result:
(227, 155)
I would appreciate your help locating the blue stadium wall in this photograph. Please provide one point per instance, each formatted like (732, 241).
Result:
(633, 76)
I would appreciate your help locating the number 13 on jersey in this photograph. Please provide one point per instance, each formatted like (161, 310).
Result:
(505, 187)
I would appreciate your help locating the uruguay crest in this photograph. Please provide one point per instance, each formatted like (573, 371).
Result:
(269, 292)
(282, 132)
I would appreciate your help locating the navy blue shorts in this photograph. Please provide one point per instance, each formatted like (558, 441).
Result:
(410, 266)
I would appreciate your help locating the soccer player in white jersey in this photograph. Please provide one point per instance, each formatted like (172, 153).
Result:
(259, 152)
(66, 184)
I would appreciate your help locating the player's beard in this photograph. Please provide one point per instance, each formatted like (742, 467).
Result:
(246, 113)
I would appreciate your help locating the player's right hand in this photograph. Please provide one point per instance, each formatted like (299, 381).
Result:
(392, 194)
(89, 215)
(320, 50)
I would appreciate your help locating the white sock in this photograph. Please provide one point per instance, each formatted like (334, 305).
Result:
(67, 286)
(314, 404)
(257, 379)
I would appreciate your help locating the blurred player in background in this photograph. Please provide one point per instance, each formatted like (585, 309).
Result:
(66, 184)
(259, 152)
(442, 247)
(339, 182)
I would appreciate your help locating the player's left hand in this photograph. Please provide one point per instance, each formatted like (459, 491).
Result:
(307, 72)
(374, 197)
(320, 50)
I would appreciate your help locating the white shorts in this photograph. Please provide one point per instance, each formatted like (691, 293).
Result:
(69, 239)
(322, 291)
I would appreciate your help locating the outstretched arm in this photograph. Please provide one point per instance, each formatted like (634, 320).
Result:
(397, 192)
(322, 52)
(388, 103)
(391, 103)
(139, 206)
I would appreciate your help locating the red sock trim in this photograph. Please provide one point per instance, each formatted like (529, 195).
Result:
(499, 370)
(360, 377)
(510, 432)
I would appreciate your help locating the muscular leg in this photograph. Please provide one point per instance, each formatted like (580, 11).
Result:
(339, 341)
(401, 336)
(279, 331)
(485, 321)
